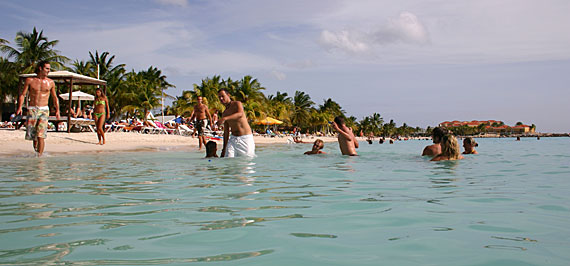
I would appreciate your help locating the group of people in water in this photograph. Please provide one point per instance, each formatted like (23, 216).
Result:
(237, 136)
(446, 147)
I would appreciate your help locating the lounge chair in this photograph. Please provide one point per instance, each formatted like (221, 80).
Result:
(184, 130)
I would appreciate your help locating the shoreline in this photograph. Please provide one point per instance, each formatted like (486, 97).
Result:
(61, 143)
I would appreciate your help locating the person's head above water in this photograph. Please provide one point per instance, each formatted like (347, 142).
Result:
(437, 134)
(211, 148)
(318, 144)
(469, 145)
(450, 147)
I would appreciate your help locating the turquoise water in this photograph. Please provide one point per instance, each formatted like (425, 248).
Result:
(508, 205)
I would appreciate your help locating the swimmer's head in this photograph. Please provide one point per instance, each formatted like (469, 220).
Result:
(211, 148)
(319, 144)
(470, 141)
(437, 134)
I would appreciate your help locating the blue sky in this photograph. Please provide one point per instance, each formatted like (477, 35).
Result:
(415, 61)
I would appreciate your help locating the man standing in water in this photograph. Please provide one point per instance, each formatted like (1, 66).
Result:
(346, 140)
(435, 149)
(240, 142)
(40, 88)
(200, 112)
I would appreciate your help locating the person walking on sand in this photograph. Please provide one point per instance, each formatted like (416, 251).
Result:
(201, 116)
(39, 88)
(346, 140)
(100, 114)
(240, 142)
(317, 147)
(435, 149)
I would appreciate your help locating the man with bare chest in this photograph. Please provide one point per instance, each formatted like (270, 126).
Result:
(39, 89)
(240, 142)
(346, 140)
(201, 116)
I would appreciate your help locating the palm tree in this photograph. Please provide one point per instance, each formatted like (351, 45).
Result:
(114, 75)
(280, 107)
(352, 123)
(183, 104)
(208, 89)
(389, 129)
(103, 65)
(2, 43)
(249, 93)
(83, 68)
(143, 94)
(331, 107)
(376, 121)
(318, 120)
(33, 48)
(248, 89)
(302, 106)
(8, 82)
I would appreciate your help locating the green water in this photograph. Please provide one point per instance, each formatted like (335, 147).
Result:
(508, 205)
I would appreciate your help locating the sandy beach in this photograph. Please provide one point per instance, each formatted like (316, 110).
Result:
(14, 144)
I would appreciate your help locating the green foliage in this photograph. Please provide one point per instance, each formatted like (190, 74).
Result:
(142, 91)
(32, 48)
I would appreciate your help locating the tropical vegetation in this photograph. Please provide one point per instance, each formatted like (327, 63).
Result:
(133, 92)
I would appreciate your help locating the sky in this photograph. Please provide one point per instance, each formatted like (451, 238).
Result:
(421, 62)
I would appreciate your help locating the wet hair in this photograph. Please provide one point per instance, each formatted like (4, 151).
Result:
(450, 147)
(210, 147)
(471, 141)
(320, 143)
(339, 120)
(438, 133)
(40, 65)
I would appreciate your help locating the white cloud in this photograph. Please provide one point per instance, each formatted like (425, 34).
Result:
(278, 75)
(344, 40)
(406, 28)
(180, 3)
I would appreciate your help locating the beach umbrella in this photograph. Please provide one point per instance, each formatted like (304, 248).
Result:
(78, 96)
(269, 121)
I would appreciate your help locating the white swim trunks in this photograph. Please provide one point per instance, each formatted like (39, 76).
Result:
(240, 146)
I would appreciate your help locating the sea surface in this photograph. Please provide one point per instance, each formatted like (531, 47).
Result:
(509, 205)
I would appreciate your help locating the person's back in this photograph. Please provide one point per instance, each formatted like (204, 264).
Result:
(435, 149)
(346, 140)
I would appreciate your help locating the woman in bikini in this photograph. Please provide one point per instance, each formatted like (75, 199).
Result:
(100, 114)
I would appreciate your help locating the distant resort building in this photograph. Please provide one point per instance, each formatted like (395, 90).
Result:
(490, 126)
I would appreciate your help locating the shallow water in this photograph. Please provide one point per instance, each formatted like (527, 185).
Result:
(508, 205)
